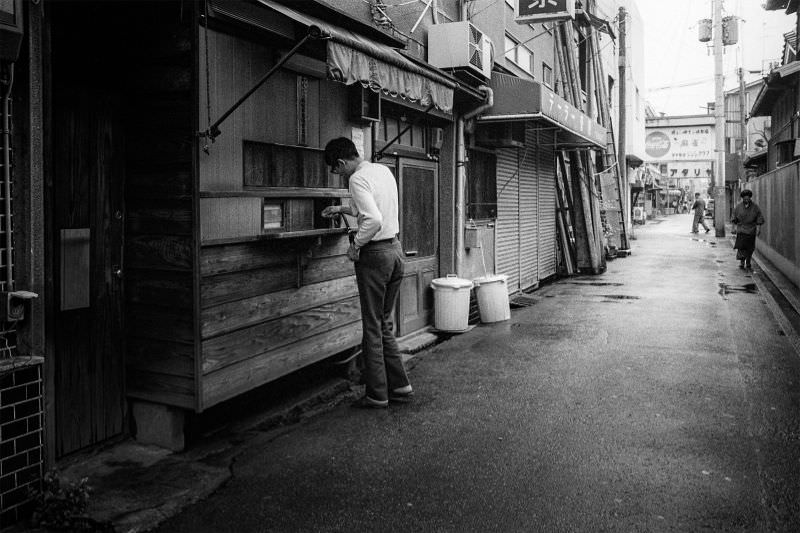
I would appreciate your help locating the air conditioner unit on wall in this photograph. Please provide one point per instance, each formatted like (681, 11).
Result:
(460, 45)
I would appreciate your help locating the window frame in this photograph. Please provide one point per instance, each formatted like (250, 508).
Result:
(481, 201)
(511, 53)
(547, 80)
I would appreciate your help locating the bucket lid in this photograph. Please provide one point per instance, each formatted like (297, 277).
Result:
(451, 282)
(491, 279)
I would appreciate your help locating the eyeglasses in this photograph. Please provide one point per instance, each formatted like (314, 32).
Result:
(335, 168)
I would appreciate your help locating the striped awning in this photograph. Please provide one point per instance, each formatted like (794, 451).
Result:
(355, 58)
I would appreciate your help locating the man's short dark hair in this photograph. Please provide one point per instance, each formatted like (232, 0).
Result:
(340, 148)
(746, 192)
(697, 194)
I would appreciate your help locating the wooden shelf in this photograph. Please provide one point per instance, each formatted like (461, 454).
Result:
(278, 235)
(279, 192)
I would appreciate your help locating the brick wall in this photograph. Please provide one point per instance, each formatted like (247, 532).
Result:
(21, 453)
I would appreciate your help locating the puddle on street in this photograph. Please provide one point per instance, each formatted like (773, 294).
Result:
(749, 288)
(596, 283)
(704, 241)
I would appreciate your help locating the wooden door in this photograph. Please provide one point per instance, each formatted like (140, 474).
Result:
(86, 199)
(419, 231)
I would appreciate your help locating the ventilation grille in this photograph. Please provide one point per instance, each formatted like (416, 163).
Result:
(475, 47)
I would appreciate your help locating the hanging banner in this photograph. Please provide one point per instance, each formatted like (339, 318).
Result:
(531, 11)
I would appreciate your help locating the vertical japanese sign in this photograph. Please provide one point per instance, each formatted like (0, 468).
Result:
(531, 11)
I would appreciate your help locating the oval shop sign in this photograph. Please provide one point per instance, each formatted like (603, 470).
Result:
(657, 144)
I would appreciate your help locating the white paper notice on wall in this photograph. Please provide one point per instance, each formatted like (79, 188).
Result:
(357, 136)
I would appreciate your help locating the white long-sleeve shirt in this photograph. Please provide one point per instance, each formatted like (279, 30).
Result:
(374, 203)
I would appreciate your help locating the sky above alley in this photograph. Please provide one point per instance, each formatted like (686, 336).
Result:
(679, 69)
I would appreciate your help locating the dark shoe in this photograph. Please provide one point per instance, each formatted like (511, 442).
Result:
(401, 395)
(708, 229)
(365, 402)
(694, 232)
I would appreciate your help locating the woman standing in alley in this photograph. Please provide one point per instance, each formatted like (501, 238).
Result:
(748, 219)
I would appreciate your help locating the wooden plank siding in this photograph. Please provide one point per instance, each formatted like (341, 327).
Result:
(160, 212)
(267, 307)
(273, 308)
(250, 373)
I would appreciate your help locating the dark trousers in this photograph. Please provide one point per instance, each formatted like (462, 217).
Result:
(698, 219)
(379, 272)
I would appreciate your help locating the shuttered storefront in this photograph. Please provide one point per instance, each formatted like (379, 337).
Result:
(507, 226)
(546, 167)
(526, 211)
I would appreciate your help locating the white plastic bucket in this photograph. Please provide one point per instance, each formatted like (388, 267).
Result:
(493, 298)
(451, 303)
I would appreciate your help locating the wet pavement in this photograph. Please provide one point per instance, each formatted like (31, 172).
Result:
(661, 395)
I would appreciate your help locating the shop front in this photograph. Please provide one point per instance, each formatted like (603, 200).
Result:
(529, 128)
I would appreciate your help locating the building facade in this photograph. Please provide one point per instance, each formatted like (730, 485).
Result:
(167, 186)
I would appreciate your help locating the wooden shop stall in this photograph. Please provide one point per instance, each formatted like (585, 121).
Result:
(234, 279)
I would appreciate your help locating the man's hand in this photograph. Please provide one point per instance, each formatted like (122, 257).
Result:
(353, 252)
(331, 211)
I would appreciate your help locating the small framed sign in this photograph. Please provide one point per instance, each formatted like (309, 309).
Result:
(533, 11)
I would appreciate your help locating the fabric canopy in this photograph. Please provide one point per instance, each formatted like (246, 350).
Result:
(348, 65)
(354, 58)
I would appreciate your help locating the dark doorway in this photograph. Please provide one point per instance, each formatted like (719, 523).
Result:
(85, 211)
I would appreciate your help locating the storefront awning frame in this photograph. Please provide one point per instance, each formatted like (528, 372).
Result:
(352, 58)
(517, 99)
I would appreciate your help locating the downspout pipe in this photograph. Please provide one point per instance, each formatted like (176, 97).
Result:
(461, 173)
(9, 84)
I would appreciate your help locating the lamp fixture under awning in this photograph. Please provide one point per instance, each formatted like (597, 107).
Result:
(519, 99)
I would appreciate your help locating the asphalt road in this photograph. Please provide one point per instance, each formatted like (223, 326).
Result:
(659, 396)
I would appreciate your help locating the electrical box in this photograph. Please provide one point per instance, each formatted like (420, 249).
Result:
(730, 30)
(13, 304)
(460, 45)
(704, 30)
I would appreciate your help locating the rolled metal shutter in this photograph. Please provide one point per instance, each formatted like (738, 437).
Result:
(507, 228)
(529, 211)
(547, 203)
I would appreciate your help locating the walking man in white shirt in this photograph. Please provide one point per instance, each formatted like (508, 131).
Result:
(378, 259)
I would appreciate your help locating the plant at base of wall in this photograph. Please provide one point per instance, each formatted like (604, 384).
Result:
(62, 505)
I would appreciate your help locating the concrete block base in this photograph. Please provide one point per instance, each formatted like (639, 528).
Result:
(160, 425)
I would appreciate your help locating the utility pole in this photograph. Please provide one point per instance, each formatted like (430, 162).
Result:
(720, 207)
(742, 124)
(623, 117)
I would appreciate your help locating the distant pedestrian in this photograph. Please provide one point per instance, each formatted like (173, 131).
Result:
(699, 207)
(378, 259)
(748, 219)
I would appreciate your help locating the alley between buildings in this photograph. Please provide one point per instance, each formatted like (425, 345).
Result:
(658, 396)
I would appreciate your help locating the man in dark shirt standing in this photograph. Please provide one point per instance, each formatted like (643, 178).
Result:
(748, 219)
(699, 207)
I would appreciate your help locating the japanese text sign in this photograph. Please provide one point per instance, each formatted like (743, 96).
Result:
(530, 11)
(681, 143)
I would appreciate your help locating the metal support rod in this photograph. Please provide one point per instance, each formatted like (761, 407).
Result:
(213, 130)
(7, 177)
(720, 209)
